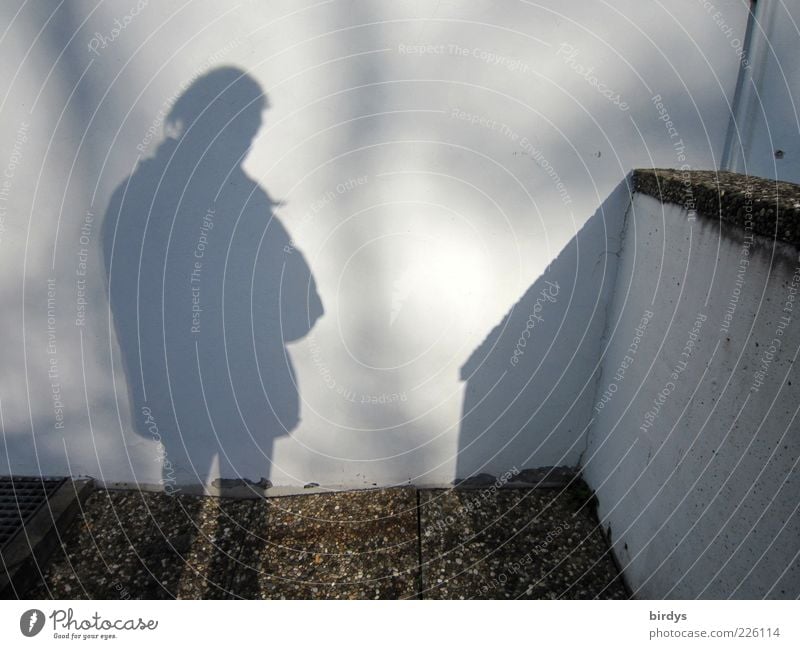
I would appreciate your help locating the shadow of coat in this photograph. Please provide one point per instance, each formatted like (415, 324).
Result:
(206, 289)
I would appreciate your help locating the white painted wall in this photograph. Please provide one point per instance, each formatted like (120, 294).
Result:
(700, 495)
(765, 132)
(480, 160)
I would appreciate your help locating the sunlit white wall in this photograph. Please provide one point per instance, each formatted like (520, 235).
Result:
(693, 455)
(431, 159)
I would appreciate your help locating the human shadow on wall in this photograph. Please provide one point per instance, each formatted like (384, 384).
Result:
(206, 288)
(530, 385)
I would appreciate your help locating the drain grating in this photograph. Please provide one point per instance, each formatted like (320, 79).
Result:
(20, 499)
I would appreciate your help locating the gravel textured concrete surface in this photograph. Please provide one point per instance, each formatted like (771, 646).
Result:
(514, 543)
(383, 543)
(770, 208)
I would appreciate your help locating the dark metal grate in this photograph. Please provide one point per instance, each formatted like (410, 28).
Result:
(20, 498)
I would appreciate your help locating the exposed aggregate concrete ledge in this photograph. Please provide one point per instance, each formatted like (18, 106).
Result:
(396, 543)
(771, 207)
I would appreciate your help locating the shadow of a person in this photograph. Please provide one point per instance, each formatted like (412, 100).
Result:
(206, 288)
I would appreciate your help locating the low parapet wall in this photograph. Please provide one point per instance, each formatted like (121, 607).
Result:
(694, 447)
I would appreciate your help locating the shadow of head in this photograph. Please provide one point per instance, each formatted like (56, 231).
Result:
(219, 113)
